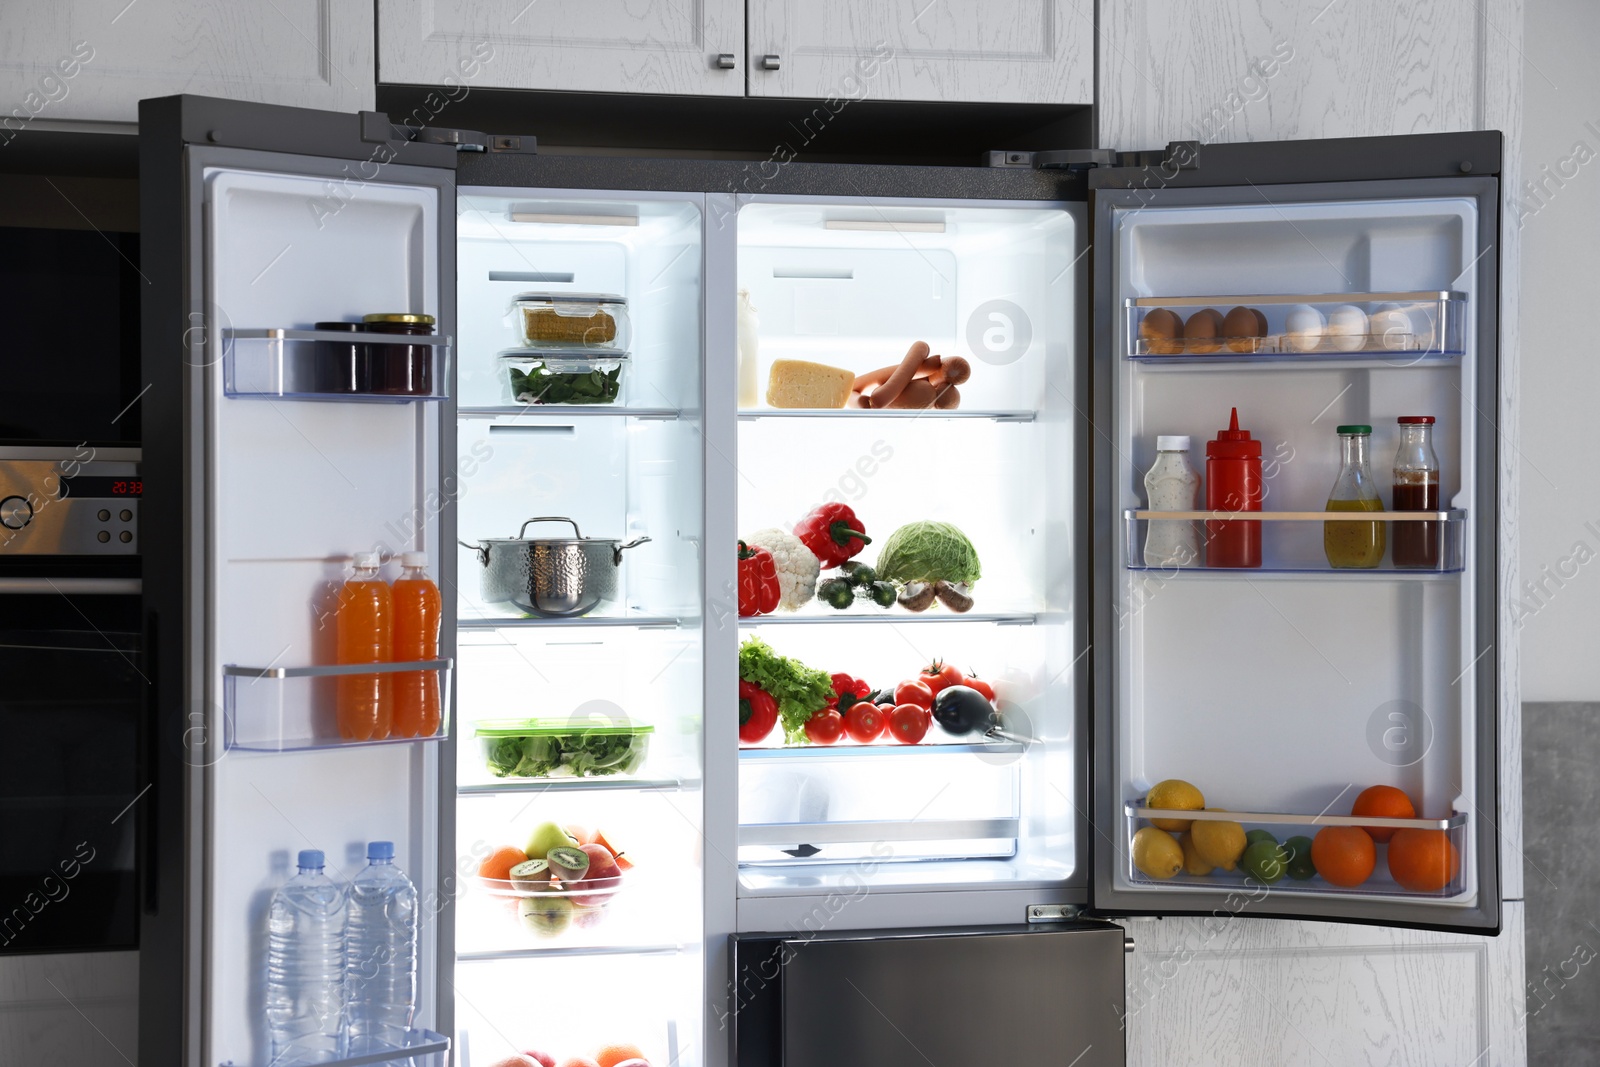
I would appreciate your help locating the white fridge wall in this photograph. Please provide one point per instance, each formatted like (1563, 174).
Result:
(299, 486)
(1263, 689)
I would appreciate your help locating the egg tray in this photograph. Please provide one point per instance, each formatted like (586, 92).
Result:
(1279, 344)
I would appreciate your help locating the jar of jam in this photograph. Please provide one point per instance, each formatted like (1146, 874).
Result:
(401, 369)
(341, 366)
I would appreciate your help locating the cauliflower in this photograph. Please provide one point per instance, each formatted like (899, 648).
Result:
(797, 567)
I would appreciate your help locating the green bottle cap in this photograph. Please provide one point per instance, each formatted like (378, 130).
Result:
(1355, 429)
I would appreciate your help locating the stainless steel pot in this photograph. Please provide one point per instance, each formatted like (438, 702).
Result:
(551, 577)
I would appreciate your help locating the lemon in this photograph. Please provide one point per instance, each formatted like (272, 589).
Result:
(1218, 843)
(1193, 862)
(1157, 853)
(1174, 794)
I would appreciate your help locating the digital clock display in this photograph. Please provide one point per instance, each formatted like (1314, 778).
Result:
(99, 486)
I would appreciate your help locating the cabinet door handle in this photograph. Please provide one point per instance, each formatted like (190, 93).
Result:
(725, 61)
(770, 62)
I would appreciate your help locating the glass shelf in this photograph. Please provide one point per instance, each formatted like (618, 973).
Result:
(992, 414)
(514, 622)
(293, 709)
(422, 1048)
(874, 751)
(570, 950)
(570, 785)
(862, 614)
(874, 830)
(290, 364)
(566, 411)
(1290, 546)
(1399, 328)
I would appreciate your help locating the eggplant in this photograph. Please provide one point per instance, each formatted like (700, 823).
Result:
(960, 710)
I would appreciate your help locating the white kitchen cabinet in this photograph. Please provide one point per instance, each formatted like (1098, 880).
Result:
(96, 59)
(621, 46)
(981, 51)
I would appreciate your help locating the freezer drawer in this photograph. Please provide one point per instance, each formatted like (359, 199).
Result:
(1001, 994)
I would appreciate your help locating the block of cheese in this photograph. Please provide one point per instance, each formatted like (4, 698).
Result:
(795, 383)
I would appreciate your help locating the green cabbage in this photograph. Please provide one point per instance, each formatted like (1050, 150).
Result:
(928, 551)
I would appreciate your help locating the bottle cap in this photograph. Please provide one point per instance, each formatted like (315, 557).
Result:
(1354, 428)
(1233, 443)
(1171, 443)
(310, 859)
(380, 850)
(1415, 420)
(413, 559)
(365, 560)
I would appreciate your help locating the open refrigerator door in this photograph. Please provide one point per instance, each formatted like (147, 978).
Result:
(1295, 714)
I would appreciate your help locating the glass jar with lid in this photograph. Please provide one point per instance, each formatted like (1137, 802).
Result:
(572, 320)
(406, 370)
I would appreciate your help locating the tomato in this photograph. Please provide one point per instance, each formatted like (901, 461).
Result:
(914, 692)
(908, 723)
(981, 686)
(864, 722)
(939, 675)
(825, 727)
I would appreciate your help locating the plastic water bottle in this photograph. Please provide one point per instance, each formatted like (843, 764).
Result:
(305, 972)
(381, 952)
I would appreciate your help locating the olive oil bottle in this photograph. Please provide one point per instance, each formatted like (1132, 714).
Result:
(1348, 543)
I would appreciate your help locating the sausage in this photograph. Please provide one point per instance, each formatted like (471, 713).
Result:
(954, 371)
(885, 395)
(882, 374)
(917, 394)
(948, 398)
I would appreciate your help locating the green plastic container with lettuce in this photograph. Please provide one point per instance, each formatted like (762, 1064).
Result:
(563, 748)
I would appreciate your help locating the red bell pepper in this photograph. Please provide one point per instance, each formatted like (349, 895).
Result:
(758, 713)
(832, 533)
(759, 590)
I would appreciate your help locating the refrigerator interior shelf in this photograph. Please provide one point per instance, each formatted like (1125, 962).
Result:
(1137, 810)
(992, 414)
(874, 830)
(854, 751)
(290, 364)
(422, 1048)
(863, 613)
(1292, 542)
(293, 709)
(541, 952)
(514, 622)
(1407, 327)
(566, 411)
(569, 785)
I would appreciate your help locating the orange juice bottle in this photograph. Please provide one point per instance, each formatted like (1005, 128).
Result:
(366, 634)
(416, 637)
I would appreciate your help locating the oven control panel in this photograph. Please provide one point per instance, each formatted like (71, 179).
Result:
(81, 503)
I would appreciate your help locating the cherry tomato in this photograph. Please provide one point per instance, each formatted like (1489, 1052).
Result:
(908, 723)
(825, 727)
(939, 675)
(914, 692)
(981, 686)
(864, 722)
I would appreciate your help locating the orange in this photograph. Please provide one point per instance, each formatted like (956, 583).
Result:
(499, 863)
(1383, 802)
(1423, 861)
(612, 1055)
(1344, 855)
(623, 862)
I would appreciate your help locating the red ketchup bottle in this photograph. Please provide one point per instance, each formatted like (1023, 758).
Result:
(1233, 483)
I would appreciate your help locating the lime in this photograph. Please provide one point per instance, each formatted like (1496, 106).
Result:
(1259, 835)
(1300, 866)
(1265, 861)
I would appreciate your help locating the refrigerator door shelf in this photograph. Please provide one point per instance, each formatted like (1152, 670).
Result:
(1393, 328)
(1137, 810)
(291, 364)
(422, 1048)
(1290, 547)
(291, 709)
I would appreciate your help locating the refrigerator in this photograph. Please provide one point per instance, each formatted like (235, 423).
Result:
(1281, 691)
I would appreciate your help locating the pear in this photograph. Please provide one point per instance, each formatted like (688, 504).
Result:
(545, 916)
(546, 836)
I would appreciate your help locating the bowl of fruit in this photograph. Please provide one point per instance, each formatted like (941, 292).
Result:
(565, 876)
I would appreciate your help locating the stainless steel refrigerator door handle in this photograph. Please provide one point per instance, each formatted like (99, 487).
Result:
(770, 62)
(725, 61)
(1127, 945)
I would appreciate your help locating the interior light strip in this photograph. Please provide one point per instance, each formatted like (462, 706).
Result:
(574, 220)
(885, 227)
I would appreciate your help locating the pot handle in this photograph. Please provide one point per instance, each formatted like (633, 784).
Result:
(552, 518)
(616, 553)
(481, 551)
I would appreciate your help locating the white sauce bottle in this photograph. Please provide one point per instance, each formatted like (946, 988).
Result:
(749, 326)
(1172, 485)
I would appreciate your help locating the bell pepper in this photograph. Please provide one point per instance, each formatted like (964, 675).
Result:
(758, 713)
(759, 589)
(832, 533)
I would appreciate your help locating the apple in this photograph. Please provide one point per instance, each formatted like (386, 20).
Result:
(546, 836)
(603, 873)
(587, 918)
(544, 1058)
(581, 834)
(545, 916)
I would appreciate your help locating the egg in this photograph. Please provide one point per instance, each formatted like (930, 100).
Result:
(1393, 328)
(1303, 329)
(1160, 330)
(1242, 326)
(1347, 328)
(1200, 333)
